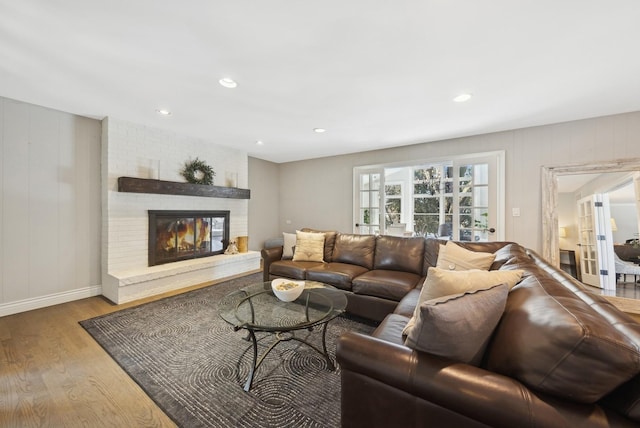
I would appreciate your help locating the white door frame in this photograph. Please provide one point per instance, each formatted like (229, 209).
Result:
(496, 197)
(499, 155)
(357, 173)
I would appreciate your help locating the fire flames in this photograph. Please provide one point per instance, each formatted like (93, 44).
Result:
(182, 234)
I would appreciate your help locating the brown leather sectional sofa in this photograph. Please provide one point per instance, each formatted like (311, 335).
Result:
(375, 271)
(560, 356)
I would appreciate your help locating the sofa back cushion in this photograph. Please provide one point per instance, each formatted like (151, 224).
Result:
(397, 253)
(354, 249)
(568, 343)
(431, 251)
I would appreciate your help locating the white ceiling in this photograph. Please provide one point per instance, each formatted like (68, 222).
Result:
(375, 74)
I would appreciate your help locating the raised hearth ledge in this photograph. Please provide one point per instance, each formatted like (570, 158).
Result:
(134, 284)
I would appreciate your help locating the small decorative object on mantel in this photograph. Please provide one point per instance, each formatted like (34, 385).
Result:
(243, 244)
(198, 172)
(232, 248)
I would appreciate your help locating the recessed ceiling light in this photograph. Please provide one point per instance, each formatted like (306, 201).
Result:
(163, 112)
(462, 98)
(319, 130)
(228, 83)
(259, 143)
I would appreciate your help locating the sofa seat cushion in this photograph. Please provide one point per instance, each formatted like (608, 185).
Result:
(626, 399)
(291, 269)
(339, 275)
(390, 329)
(388, 284)
(558, 343)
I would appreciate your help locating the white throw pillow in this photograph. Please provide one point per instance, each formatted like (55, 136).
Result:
(289, 244)
(453, 257)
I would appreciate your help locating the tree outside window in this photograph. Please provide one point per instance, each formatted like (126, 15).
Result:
(432, 198)
(392, 204)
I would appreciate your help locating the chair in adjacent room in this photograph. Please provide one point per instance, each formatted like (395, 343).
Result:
(444, 231)
(626, 268)
(398, 229)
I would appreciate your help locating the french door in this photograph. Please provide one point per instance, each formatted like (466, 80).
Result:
(461, 199)
(478, 213)
(367, 213)
(596, 242)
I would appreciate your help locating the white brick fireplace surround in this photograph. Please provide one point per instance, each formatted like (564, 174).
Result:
(137, 151)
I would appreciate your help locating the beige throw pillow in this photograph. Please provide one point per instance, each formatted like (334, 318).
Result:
(309, 247)
(440, 283)
(453, 257)
(288, 246)
(459, 327)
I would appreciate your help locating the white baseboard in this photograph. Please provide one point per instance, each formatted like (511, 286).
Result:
(48, 300)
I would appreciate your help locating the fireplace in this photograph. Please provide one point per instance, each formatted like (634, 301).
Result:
(183, 235)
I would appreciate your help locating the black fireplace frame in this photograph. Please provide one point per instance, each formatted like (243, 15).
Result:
(155, 214)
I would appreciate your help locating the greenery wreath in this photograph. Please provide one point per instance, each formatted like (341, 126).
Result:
(198, 172)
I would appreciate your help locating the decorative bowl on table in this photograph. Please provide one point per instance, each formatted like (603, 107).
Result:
(287, 290)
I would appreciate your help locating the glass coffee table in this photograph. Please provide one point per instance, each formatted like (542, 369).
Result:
(256, 309)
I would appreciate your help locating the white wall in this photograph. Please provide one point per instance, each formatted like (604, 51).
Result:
(264, 205)
(626, 216)
(50, 206)
(319, 193)
(568, 218)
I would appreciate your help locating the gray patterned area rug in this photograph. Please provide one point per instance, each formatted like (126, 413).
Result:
(193, 365)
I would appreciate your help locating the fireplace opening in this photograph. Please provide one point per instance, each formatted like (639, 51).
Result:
(183, 235)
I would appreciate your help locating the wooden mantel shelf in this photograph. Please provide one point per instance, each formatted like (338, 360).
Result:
(144, 185)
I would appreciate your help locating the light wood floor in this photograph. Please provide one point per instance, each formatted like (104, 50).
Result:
(53, 374)
(626, 296)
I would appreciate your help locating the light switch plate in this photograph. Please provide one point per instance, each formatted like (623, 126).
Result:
(515, 212)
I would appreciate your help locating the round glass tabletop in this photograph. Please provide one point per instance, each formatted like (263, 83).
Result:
(255, 307)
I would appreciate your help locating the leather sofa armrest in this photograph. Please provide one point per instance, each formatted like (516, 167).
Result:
(457, 387)
(269, 255)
